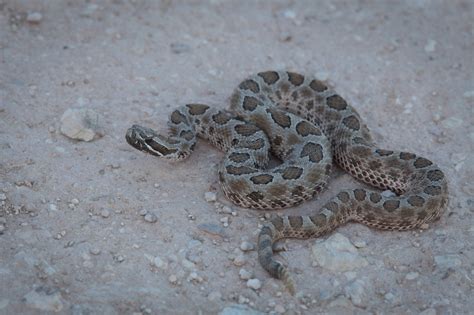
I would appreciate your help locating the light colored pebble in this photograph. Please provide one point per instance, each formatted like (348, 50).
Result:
(52, 207)
(94, 251)
(173, 279)
(337, 254)
(430, 46)
(245, 274)
(119, 258)
(226, 210)
(246, 246)
(359, 243)
(75, 201)
(240, 260)
(81, 124)
(214, 296)
(43, 300)
(34, 17)
(150, 217)
(159, 263)
(279, 309)
(254, 284)
(356, 291)
(3, 197)
(210, 196)
(143, 212)
(412, 275)
(104, 213)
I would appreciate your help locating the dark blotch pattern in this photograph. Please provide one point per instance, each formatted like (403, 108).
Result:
(292, 172)
(197, 109)
(250, 85)
(246, 129)
(359, 194)
(239, 170)
(416, 201)
(305, 128)
(187, 134)
(352, 122)
(295, 78)
(221, 118)
(313, 150)
(239, 157)
(336, 102)
(269, 77)
(177, 118)
(250, 103)
(422, 162)
(382, 152)
(253, 145)
(432, 190)
(435, 175)
(318, 86)
(407, 156)
(391, 205)
(375, 197)
(261, 179)
(295, 221)
(343, 196)
(280, 118)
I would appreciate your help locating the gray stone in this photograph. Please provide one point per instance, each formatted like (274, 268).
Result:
(254, 284)
(44, 299)
(150, 217)
(337, 254)
(356, 291)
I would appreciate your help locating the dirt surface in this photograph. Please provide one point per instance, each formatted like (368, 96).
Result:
(100, 228)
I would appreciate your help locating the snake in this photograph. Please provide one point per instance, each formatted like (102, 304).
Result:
(303, 126)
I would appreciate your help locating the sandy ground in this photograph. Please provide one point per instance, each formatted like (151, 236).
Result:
(73, 236)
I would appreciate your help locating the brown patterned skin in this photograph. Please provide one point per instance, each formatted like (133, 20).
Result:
(306, 125)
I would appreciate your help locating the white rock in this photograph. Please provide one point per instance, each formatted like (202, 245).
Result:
(337, 254)
(210, 196)
(412, 275)
(356, 292)
(254, 284)
(81, 124)
(173, 279)
(150, 217)
(105, 213)
(34, 17)
(159, 263)
(44, 300)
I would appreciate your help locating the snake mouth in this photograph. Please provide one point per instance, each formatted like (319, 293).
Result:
(147, 140)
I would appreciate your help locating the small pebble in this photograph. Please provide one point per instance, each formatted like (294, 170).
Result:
(279, 309)
(246, 246)
(240, 260)
(150, 217)
(3, 197)
(210, 196)
(52, 207)
(430, 46)
(359, 243)
(75, 201)
(159, 263)
(412, 275)
(143, 212)
(34, 17)
(245, 274)
(214, 296)
(254, 284)
(94, 251)
(173, 279)
(105, 213)
(225, 221)
(81, 124)
(2, 228)
(119, 258)
(179, 48)
(227, 210)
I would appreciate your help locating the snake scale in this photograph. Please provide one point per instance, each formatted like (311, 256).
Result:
(307, 126)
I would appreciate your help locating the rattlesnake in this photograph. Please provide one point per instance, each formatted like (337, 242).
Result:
(306, 125)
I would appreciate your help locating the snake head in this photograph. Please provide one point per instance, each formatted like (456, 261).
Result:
(147, 140)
